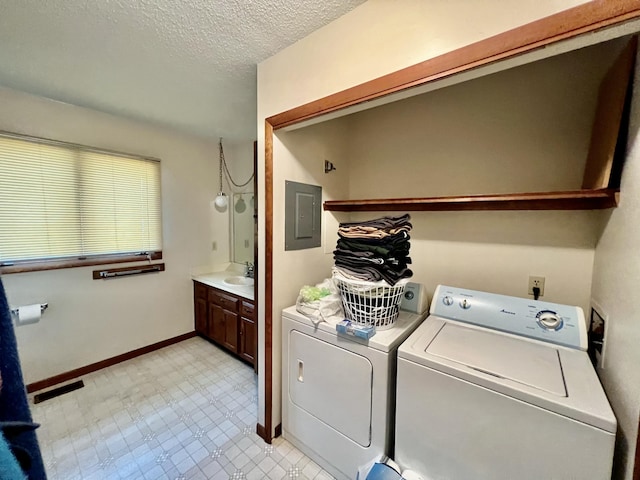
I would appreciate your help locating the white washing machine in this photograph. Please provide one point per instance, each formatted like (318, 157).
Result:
(339, 391)
(493, 387)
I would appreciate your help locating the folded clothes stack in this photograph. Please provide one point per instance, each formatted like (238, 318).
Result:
(374, 250)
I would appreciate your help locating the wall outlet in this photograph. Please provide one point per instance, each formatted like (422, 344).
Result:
(536, 282)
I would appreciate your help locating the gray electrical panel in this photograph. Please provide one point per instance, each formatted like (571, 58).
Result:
(302, 215)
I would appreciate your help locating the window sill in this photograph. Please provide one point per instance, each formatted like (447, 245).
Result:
(37, 266)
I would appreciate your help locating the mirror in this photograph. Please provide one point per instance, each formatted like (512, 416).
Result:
(242, 210)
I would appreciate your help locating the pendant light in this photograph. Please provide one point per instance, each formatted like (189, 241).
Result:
(221, 200)
(241, 205)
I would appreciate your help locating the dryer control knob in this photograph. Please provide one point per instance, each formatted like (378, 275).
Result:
(549, 320)
(465, 303)
(447, 300)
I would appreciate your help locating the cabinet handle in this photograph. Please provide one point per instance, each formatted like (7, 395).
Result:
(300, 371)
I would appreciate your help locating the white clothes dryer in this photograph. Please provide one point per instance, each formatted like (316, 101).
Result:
(338, 391)
(492, 387)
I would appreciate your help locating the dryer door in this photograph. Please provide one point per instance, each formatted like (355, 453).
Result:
(332, 384)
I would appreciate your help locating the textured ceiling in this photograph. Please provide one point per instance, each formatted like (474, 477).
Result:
(190, 65)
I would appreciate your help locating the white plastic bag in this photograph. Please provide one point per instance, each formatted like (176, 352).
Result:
(326, 309)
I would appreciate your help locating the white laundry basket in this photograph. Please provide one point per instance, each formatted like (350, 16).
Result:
(370, 303)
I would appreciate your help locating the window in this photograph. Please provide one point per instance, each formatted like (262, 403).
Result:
(65, 205)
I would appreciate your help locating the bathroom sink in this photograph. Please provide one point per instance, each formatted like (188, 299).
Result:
(238, 280)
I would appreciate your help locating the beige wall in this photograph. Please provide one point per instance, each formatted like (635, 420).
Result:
(380, 37)
(525, 129)
(376, 38)
(89, 320)
(616, 281)
(302, 155)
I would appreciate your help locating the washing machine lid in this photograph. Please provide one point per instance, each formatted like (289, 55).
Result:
(530, 364)
(556, 378)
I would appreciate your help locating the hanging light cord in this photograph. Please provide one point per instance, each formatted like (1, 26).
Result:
(221, 160)
(223, 164)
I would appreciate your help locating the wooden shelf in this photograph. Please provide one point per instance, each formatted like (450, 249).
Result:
(570, 200)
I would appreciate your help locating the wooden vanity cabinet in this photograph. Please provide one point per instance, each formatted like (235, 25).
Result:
(201, 306)
(227, 320)
(248, 342)
(223, 319)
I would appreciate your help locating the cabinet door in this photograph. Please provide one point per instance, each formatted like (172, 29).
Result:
(201, 316)
(230, 330)
(200, 308)
(216, 323)
(248, 340)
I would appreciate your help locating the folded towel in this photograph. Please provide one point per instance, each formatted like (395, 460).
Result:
(371, 274)
(370, 232)
(357, 245)
(343, 257)
(382, 223)
(391, 240)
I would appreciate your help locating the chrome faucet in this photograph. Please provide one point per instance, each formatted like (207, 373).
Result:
(248, 269)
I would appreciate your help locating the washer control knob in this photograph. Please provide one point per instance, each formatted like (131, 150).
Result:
(447, 300)
(549, 320)
(409, 295)
(465, 303)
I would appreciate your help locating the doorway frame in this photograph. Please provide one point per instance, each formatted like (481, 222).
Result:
(567, 24)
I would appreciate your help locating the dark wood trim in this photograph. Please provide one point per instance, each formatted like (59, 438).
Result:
(256, 272)
(261, 431)
(268, 280)
(611, 115)
(127, 271)
(585, 18)
(37, 266)
(571, 200)
(78, 372)
(564, 25)
(636, 466)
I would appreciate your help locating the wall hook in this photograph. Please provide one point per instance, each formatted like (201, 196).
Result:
(328, 166)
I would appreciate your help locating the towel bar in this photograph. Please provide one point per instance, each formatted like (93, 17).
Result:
(126, 271)
(108, 274)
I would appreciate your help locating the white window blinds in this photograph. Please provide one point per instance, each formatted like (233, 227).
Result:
(67, 201)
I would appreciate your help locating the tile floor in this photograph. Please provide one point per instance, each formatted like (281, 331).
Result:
(188, 411)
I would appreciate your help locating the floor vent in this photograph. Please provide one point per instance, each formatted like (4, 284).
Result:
(56, 392)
